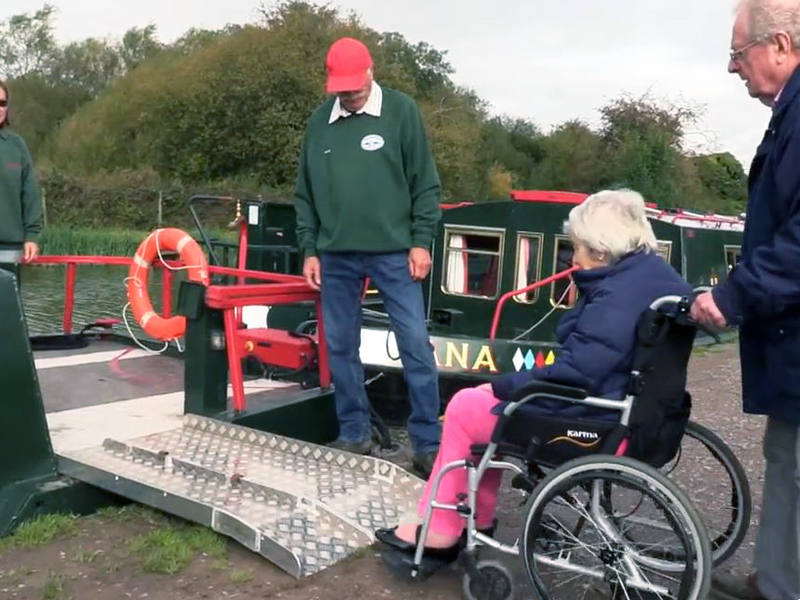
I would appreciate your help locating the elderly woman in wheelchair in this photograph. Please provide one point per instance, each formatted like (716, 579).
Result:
(596, 524)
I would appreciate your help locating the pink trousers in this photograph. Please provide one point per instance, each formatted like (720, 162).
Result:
(467, 421)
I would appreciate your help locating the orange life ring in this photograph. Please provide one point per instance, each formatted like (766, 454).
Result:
(162, 240)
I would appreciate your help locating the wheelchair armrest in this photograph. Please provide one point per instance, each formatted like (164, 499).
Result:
(546, 387)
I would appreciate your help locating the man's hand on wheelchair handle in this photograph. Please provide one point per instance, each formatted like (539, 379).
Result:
(704, 310)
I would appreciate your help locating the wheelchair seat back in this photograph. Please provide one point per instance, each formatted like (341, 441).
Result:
(662, 405)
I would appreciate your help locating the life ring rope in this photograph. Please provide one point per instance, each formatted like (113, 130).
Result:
(170, 239)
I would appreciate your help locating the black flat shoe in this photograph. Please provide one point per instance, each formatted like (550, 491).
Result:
(389, 537)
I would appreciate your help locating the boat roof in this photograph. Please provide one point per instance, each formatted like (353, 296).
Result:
(679, 217)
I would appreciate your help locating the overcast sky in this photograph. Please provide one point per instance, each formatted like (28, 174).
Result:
(546, 60)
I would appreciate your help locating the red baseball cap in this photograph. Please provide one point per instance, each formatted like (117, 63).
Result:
(347, 63)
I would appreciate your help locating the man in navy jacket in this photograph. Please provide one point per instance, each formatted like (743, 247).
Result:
(762, 294)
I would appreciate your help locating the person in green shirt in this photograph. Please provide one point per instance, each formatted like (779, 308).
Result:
(20, 202)
(367, 204)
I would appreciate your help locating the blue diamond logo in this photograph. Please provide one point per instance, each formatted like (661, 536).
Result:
(530, 360)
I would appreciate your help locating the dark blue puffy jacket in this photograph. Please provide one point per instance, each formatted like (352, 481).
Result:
(598, 336)
(762, 294)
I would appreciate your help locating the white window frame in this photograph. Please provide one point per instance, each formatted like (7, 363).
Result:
(464, 230)
(736, 248)
(552, 296)
(662, 245)
(520, 273)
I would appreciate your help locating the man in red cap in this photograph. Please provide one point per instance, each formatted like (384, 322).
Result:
(367, 204)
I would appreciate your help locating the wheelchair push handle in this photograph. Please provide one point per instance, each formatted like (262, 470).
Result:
(683, 305)
(701, 289)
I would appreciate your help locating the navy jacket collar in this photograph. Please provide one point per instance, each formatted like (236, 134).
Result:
(589, 280)
(790, 90)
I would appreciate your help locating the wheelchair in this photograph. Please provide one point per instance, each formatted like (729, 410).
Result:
(601, 520)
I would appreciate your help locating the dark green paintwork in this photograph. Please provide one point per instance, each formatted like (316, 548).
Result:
(272, 240)
(205, 369)
(697, 254)
(25, 436)
(27, 462)
(306, 414)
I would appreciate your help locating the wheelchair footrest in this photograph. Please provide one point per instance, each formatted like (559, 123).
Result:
(402, 564)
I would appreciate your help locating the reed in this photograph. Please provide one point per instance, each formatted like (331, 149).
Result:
(62, 240)
(106, 242)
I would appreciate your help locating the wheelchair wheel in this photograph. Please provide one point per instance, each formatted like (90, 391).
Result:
(575, 545)
(494, 582)
(707, 469)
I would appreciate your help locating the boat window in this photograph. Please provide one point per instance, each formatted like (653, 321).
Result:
(472, 260)
(529, 265)
(733, 254)
(665, 250)
(563, 293)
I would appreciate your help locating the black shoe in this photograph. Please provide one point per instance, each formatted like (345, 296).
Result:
(363, 447)
(389, 537)
(423, 462)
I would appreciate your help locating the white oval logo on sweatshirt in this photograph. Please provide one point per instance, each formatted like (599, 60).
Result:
(372, 142)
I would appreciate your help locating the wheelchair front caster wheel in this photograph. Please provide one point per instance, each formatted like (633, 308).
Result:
(493, 582)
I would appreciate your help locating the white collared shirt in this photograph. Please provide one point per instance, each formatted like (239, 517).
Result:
(778, 96)
(372, 107)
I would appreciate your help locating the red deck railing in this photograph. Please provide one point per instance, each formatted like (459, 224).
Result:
(528, 288)
(70, 275)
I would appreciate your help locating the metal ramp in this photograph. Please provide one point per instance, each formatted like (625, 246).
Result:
(300, 505)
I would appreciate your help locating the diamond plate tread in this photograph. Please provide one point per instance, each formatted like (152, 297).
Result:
(301, 505)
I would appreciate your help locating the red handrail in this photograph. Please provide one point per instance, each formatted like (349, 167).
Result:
(232, 297)
(72, 261)
(528, 288)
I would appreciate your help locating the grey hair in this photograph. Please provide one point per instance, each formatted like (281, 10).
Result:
(768, 17)
(612, 223)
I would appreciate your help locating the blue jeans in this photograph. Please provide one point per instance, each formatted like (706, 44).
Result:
(343, 275)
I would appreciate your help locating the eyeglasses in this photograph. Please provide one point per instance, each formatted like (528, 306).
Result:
(740, 52)
(3, 103)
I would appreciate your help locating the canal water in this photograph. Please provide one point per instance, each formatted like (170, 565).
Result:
(99, 293)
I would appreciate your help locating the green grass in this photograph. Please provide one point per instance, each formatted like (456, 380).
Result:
(241, 575)
(108, 242)
(64, 240)
(133, 512)
(53, 588)
(40, 531)
(86, 556)
(169, 549)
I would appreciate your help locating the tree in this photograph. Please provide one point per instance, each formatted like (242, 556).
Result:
(138, 44)
(86, 66)
(426, 66)
(574, 160)
(644, 141)
(238, 105)
(197, 39)
(39, 106)
(724, 182)
(27, 43)
(515, 145)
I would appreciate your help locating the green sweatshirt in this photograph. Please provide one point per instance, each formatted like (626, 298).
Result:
(367, 184)
(20, 202)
